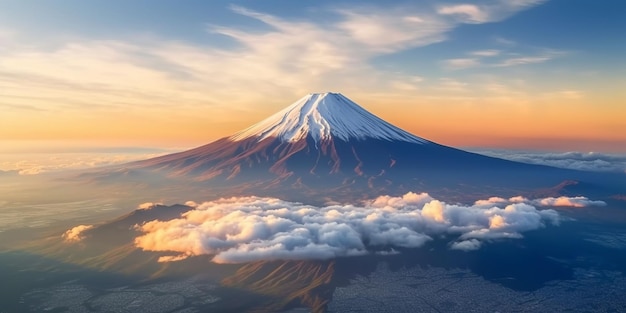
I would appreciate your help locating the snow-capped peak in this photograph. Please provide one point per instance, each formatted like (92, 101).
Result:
(324, 116)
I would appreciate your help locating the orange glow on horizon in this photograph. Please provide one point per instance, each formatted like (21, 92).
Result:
(557, 127)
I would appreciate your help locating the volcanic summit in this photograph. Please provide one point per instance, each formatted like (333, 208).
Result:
(325, 116)
(324, 143)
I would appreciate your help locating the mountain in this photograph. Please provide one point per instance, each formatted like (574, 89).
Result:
(326, 145)
(322, 148)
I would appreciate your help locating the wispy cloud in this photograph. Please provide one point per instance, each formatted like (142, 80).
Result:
(486, 53)
(466, 12)
(505, 42)
(290, 58)
(523, 60)
(38, 163)
(452, 85)
(497, 58)
(547, 55)
(486, 11)
(462, 63)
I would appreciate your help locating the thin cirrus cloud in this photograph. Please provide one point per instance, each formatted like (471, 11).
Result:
(246, 229)
(294, 55)
(487, 11)
(523, 60)
(466, 12)
(486, 53)
(496, 58)
(461, 63)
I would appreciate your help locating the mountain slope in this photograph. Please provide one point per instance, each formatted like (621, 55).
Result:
(325, 144)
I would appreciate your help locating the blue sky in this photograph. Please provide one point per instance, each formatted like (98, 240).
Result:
(450, 71)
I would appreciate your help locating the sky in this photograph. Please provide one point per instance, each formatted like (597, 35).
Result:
(502, 74)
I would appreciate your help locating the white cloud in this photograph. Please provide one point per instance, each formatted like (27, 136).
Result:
(486, 11)
(147, 205)
(466, 245)
(38, 163)
(486, 53)
(172, 258)
(586, 161)
(518, 199)
(577, 202)
(466, 12)
(543, 56)
(76, 234)
(245, 229)
(497, 59)
(191, 203)
(523, 60)
(461, 63)
(490, 201)
(563, 201)
(290, 58)
(521, 4)
(390, 252)
(392, 30)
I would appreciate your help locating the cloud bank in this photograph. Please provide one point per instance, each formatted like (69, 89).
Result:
(585, 161)
(39, 163)
(574, 202)
(246, 229)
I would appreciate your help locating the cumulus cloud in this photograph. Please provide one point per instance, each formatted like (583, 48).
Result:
(585, 161)
(492, 200)
(497, 58)
(466, 245)
(76, 234)
(191, 203)
(245, 229)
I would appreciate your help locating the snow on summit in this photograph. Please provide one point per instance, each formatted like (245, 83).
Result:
(325, 116)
